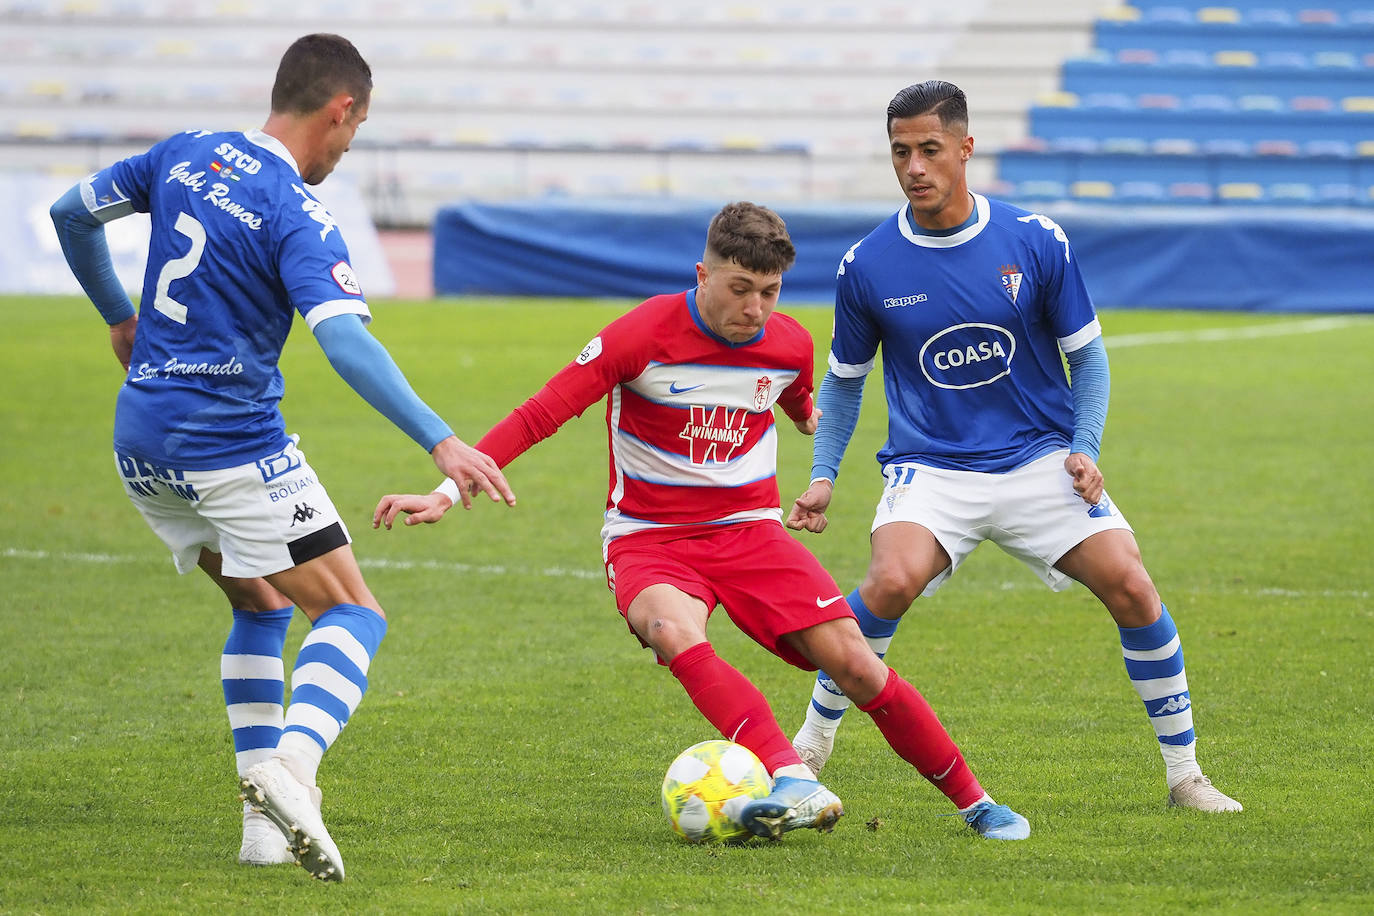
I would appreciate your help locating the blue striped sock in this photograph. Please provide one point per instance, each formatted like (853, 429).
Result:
(253, 678)
(828, 702)
(328, 683)
(1154, 663)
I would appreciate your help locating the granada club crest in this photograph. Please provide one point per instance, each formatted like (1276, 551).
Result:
(1011, 280)
(762, 390)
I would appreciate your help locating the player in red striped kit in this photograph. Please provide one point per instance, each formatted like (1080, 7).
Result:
(693, 518)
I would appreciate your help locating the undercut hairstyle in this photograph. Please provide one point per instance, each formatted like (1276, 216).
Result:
(753, 237)
(315, 69)
(931, 97)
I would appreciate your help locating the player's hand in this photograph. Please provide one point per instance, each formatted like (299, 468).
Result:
(1087, 479)
(808, 510)
(122, 340)
(427, 509)
(808, 426)
(472, 471)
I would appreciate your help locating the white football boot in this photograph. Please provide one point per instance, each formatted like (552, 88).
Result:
(1197, 792)
(263, 843)
(295, 808)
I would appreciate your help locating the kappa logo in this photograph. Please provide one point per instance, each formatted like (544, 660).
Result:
(1011, 280)
(1048, 225)
(317, 212)
(304, 513)
(1102, 509)
(1174, 704)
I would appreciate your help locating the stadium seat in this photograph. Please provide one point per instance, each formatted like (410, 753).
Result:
(1219, 14)
(1041, 190)
(1190, 192)
(1268, 16)
(1226, 146)
(1210, 101)
(1178, 14)
(1235, 59)
(1141, 192)
(1362, 103)
(1092, 190)
(1291, 192)
(1174, 146)
(1276, 148)
(1334, 148)
(1240, 192)
(1186, 57)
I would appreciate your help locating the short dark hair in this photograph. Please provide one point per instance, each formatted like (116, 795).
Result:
(931, 97)
(752, 236)
(314, 69)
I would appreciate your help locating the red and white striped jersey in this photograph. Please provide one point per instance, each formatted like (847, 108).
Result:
(689, 415)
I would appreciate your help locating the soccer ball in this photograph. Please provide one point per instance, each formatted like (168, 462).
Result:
(707, 786)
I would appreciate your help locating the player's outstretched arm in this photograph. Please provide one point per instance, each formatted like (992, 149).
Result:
(808, 510)
(472, 471)
(417, 509)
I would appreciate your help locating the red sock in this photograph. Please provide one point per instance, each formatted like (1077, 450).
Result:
(733, 705)
(912, 728)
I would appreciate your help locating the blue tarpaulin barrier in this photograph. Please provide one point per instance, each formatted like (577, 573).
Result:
(1166, 257)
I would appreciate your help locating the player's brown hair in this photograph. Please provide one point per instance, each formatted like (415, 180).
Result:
(752, 236)
(314, 69)
(931, 97)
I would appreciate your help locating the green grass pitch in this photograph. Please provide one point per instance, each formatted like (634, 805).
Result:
(508, 756)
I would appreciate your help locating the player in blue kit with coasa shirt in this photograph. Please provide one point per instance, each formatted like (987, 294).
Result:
(973, 302)
(238, 247)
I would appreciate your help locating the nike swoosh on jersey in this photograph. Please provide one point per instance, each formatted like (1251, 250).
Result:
(674, 389)
(827, 602)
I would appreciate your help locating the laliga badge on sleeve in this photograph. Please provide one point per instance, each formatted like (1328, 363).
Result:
(343, 275)
(590, 352)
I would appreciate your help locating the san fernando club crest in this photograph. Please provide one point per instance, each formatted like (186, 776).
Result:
(762, 389)
(1011, 280)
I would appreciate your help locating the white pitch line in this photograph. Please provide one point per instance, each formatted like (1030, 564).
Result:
(553, 572)
(1247, 332)
(562, 572)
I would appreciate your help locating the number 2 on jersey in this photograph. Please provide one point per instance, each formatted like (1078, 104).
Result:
(180, 267)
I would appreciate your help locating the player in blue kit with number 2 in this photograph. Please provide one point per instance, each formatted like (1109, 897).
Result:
(973, 302)
(238, 246)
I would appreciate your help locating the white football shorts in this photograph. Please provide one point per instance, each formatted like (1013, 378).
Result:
(1032, 512)
(261, 517)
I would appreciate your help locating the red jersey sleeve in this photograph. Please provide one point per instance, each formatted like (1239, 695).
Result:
(613, 356)
(795, 399)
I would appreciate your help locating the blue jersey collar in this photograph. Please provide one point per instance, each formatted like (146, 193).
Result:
(946, 238)
(696, 317)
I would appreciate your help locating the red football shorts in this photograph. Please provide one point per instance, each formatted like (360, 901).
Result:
(768, 583)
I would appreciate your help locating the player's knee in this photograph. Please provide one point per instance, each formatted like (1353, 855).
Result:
(890, 588)
(860, 674)
(1136, 602)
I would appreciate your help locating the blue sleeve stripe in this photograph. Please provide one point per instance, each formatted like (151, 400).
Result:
(839, 400)
(82, 237)
(362, 362)
(1090, 387)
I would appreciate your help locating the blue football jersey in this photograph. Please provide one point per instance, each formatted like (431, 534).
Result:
(971, 326)
(238, 246)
